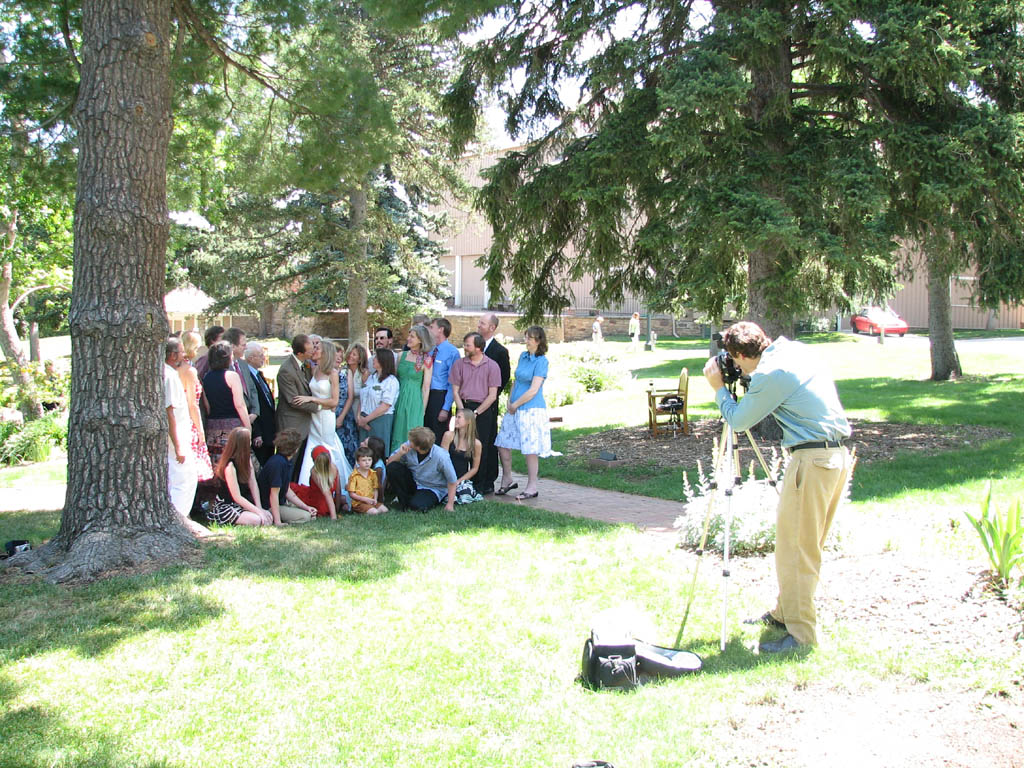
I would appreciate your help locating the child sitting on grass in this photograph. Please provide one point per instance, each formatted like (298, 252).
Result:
(322, 491)
(363, 485)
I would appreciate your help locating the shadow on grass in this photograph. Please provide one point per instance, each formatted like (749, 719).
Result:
(34, 526)
(37, 617)
(880, 480)
(992, 400)
(35, 737)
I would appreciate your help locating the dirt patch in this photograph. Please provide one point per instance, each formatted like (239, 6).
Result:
(873, 441)
(907, 605)
(903, 604)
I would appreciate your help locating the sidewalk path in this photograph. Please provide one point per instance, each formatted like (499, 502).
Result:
(646, 513)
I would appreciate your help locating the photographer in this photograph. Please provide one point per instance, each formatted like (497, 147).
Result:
(787, 382)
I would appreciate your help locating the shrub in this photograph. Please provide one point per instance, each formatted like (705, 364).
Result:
(593, 378)
(754, 504)
(562, 392)
(51, 384)
(595, 370)
(1002, 537)
(35, 440)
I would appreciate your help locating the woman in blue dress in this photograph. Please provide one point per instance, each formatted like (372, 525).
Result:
(353, 367)
(525, 425)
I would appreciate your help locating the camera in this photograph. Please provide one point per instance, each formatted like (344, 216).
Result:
(731, 372)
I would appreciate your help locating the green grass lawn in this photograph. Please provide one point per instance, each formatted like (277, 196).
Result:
(421, 640)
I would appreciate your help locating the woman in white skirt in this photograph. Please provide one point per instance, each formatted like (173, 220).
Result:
(525, 426)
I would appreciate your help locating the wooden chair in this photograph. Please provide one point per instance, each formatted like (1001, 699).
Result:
(666, 408)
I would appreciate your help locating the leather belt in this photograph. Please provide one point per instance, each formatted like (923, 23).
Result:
(818, 444)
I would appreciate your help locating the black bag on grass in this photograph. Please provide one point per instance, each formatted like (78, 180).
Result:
(609, 662)
(618, 661)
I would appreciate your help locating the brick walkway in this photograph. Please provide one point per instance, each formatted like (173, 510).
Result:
(646, 513)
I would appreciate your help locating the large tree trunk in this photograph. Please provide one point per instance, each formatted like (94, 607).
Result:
(770, 102)
(117, 513)
(945, 361)
(357, 298)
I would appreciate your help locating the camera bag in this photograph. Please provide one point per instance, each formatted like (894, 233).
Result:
(609, 661)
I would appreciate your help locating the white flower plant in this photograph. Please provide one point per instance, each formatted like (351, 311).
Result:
(754, 503)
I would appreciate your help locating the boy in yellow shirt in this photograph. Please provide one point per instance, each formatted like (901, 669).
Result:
(363, 486)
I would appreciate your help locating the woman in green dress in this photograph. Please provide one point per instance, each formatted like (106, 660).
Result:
(414, 383)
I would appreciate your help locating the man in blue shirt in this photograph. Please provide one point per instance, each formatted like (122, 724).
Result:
(439, 401)
(787, 382)
(420, 473)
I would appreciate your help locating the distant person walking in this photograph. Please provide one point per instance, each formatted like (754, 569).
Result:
(634, 333)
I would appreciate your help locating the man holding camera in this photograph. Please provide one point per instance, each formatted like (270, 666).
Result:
(786, 382)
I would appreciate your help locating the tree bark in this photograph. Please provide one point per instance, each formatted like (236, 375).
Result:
(118, 513)
(357, 298)
(945, 361)
(771, 84)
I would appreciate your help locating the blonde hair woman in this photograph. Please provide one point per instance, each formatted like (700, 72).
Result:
(350, 380)
(324, 388)
(463, 446)
(190, 343)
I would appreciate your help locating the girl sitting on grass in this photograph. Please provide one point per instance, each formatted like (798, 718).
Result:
(231, 507)
(323, 491)
(463, 447)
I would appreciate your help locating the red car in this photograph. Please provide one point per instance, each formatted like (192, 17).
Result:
(871, 320)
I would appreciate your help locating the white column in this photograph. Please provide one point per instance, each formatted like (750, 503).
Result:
(458, 280)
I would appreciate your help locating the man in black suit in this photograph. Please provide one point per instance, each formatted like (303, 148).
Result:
(486, 326)
(265, 427)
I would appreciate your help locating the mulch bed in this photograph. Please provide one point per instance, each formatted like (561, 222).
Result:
(873, 441)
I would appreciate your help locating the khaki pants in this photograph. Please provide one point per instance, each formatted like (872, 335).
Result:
(290, 514)
(811, 492)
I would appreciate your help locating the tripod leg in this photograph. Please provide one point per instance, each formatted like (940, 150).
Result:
(731, 471)
(764, 464)
(716, 465)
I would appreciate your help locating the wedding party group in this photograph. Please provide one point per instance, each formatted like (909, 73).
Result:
(346, 430)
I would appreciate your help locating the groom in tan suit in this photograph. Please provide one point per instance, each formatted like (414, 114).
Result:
(293, 380)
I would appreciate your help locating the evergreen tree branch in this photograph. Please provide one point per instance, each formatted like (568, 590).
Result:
(65, 29)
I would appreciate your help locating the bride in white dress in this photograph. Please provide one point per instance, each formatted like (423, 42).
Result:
(324, 387)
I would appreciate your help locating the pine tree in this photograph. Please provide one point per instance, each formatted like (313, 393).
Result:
(767, 156)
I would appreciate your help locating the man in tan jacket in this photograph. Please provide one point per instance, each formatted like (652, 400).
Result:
(293, 380)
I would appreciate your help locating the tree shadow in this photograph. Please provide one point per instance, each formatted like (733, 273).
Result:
(34, 526)
(37, 617)
(35, 737)
(986, 401)
(991, 400)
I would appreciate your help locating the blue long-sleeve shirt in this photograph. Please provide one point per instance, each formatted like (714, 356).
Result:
(447, 354)
(789, 384)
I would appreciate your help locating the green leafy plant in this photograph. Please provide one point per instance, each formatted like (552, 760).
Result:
(1002, 536)
(563, 392)
(50, 382)
(593, 378)
(35, 440)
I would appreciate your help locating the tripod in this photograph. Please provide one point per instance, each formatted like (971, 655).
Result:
(726, 463)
